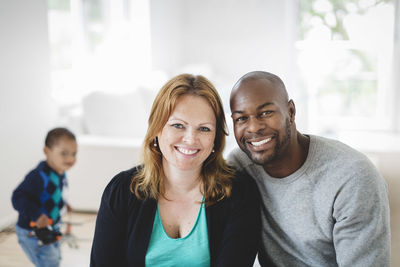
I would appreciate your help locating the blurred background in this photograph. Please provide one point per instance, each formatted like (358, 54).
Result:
(95, 66)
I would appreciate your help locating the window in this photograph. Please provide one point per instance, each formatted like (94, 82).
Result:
(97, 45)
(345, 61)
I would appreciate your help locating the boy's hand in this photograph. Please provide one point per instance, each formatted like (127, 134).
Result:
(47, 235)
(42, 221)
(44, 232)
(69, 208)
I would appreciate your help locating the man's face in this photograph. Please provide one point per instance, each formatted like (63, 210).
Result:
(261, 121)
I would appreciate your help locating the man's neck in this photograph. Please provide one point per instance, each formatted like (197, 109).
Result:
(292, 158)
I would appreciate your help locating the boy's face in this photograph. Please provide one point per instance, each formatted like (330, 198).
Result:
(62, 155)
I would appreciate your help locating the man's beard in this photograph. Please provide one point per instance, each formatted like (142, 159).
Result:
(278, 149)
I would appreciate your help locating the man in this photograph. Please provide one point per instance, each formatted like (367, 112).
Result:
(324, 204)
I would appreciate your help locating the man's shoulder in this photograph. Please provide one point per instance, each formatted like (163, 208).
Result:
(334, 148)
(343, 161)
(239, 159)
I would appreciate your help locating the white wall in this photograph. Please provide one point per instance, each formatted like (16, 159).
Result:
(26, 110)
(226, 39)
(231, 37)
(166, 39)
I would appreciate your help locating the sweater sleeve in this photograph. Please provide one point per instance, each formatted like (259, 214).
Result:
(110, 230)
(361, 232)
(241, 236)
(26, 197)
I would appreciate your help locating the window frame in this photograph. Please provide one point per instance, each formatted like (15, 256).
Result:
(387, 116)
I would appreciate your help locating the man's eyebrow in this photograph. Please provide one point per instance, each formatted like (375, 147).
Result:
(264, 105)
(258, 108)
(237, 112)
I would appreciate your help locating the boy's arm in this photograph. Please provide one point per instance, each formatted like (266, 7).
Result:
(26, 197)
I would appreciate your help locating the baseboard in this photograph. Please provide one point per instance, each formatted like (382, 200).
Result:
(8, 221)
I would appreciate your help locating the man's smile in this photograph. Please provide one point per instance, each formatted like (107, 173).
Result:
(259, 143)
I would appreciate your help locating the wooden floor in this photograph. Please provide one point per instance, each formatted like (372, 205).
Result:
(75, 248)
(11, 254)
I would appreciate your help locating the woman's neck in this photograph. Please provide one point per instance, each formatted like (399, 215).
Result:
(181, 182)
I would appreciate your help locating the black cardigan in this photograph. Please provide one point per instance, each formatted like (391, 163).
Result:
(124, 225)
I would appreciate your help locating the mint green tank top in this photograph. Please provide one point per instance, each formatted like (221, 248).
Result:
(192, 250)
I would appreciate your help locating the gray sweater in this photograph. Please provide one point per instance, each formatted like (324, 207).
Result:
(333, 211)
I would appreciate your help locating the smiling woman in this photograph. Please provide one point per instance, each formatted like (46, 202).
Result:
(187, 139)
(165, 104)
(184, 199)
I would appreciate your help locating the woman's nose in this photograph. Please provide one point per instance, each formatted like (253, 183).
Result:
(190, 136)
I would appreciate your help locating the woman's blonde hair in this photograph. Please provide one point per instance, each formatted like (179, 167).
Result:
(216, 174)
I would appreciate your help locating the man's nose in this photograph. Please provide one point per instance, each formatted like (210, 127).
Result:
(254, 125)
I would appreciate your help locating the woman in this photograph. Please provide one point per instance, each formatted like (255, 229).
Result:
(184, 206)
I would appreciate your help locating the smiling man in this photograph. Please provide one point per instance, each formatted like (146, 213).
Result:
(324, 203)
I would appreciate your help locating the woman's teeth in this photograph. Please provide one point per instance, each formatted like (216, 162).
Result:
(186, 151)
(259, 143)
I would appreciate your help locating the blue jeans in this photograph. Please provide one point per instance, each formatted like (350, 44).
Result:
(40, 255)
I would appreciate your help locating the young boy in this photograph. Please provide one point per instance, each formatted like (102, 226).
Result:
(38, 199)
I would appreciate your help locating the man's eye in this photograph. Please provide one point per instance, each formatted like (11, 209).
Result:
(64, 153)
(241, 119)
(177, 126)
(205, 129)
(266, 113)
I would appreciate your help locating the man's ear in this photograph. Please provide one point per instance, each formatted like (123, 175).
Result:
(292, 110)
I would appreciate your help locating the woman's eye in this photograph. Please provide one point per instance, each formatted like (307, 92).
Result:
(205, 129)
(177, 126)
(64, 153)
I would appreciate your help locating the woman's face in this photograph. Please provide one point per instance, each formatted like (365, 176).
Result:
(187, 138)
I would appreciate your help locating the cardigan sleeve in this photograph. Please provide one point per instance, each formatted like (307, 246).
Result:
(241, 236)
(110, 231)
(25, 198)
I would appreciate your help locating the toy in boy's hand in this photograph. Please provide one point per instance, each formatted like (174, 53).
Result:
(46, 235)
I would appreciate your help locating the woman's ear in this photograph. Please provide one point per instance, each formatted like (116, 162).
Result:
(155, 141)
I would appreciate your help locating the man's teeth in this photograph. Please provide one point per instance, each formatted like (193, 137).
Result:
(187, 151)
(259, 143)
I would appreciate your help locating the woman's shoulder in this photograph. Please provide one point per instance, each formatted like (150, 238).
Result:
(243, 181)
(244, 198)
(121, 182)
(124, 177)
(243, 186)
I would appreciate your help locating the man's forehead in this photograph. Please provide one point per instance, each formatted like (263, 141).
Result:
(254, 89)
